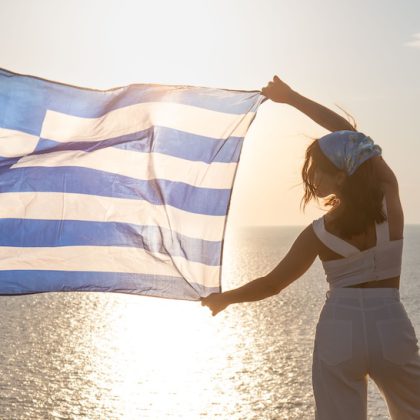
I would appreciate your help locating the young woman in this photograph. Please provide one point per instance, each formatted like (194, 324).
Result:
(363, 328)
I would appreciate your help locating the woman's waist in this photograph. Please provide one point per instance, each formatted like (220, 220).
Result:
(363, 297)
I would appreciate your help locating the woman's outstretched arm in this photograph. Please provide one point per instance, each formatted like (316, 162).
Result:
(296, 262)
(278, 91)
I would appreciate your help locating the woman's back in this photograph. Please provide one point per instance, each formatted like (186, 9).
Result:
(366, 240)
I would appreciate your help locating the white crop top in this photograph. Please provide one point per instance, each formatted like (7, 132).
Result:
(379, 262)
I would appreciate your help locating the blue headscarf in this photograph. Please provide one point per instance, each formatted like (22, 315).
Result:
(347, 149)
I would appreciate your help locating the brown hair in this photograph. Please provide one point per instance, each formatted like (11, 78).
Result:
(361, 192)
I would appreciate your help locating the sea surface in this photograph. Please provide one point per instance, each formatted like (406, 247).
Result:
(89, 355)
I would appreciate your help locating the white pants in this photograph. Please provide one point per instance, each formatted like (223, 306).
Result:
(360, 332)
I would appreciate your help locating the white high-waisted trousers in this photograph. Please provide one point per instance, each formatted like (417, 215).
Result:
(360, 332)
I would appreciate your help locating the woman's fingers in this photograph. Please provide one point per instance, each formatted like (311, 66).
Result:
(205, 302)
(213, 303)
(270, 84)
(265, 89)
(277, 91)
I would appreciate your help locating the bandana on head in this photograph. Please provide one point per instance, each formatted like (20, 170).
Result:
(347, 149)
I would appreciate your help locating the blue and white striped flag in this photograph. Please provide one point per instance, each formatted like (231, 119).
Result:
(122, 190)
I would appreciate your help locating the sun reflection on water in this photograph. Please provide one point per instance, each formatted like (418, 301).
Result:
(149, 355)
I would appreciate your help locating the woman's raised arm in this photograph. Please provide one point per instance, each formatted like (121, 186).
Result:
(278, 91)
(385, 174)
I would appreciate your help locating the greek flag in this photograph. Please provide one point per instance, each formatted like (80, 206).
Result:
(120, 190)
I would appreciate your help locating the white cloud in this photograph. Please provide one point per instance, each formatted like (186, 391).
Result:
(415, 42)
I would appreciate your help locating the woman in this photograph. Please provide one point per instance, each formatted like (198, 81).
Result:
(363, 328)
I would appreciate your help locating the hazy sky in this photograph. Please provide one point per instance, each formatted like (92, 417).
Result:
(361, 55)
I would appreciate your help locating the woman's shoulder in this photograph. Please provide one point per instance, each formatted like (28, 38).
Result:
(394, 212)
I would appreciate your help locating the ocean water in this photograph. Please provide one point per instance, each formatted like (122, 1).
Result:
(115, 356)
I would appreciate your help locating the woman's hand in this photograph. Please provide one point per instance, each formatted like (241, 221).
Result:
(216, 302)
(278, 91)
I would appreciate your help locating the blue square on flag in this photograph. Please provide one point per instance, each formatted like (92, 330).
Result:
(120, 190)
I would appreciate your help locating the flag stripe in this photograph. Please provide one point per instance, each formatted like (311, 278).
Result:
(16, 143)
(86, 102)
(106, 258)
(69, 206)
(203, 122)
(68, 233)
(35, 281)
(208, 201)
(141, 166)
(165, 141)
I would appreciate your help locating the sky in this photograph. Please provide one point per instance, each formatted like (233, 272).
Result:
(360, 55)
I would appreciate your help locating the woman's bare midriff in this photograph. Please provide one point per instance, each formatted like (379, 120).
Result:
(391, 282)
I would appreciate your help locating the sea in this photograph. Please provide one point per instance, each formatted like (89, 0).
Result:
(92, 355)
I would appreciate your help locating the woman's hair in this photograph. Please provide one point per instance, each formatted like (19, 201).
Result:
(361, 192)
